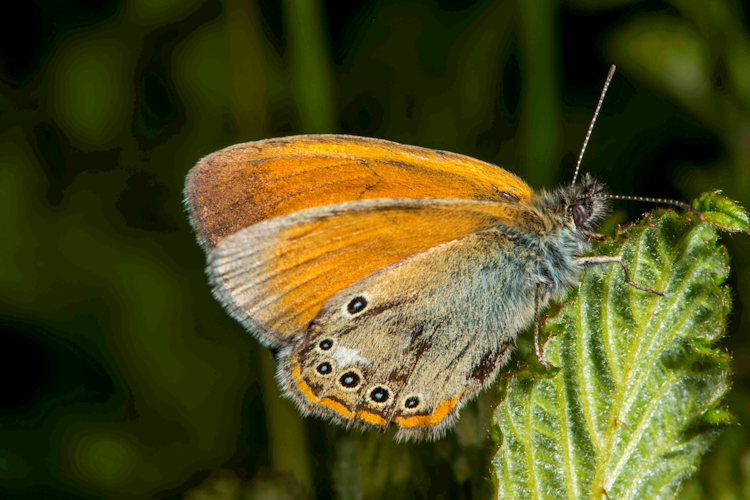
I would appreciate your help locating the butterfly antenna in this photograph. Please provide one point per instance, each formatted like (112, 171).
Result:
(663, 201)
(593, 120)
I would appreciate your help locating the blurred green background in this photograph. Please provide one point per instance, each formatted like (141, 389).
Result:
(123, 378)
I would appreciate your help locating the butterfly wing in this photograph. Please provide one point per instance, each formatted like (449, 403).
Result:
(410, 344)
(246, 183)
(275, 276)
(294, 226)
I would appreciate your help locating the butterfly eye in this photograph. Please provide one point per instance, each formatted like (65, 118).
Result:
(349, 380)
(356, 305)
(579, 215)
(411, 402)
(324, 368)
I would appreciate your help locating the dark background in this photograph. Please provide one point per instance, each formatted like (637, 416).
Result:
(122, 377)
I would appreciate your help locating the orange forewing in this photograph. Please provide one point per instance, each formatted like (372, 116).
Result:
(244, 184)
(278, 274)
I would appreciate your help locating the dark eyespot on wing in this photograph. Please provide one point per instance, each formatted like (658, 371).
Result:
(411, 402)
(380, 394)
(350, 379)
(324, 368)
(325, 344)
(356, 305)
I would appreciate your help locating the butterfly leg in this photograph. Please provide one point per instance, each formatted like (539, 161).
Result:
(537, 347)
(606, 259)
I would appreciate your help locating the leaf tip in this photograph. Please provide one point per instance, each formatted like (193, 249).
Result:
(718, 416)
(722, 212)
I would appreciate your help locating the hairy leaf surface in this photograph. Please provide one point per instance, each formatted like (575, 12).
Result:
(638, 397)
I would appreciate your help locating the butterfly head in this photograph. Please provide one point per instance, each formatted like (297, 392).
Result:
(578, 208)
(587, 204)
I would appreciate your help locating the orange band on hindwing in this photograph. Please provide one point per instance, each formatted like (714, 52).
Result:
(414, 421)
(304, 388)
(371, 418)
(441, 411)
(336, 406)
(329, 402)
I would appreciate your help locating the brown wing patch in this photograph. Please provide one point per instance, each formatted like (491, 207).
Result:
(276, 275)
(244, 184)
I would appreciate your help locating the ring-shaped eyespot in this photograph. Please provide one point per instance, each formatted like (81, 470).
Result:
(379, 395)
(350, 379)
(580, 214)
(413, 401)
(324, 369)
(356, 305)
(325, 344)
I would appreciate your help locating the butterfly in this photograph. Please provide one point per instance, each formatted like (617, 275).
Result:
(391, 281)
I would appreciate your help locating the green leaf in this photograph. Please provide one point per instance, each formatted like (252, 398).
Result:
(639, 395)
(722, 212)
